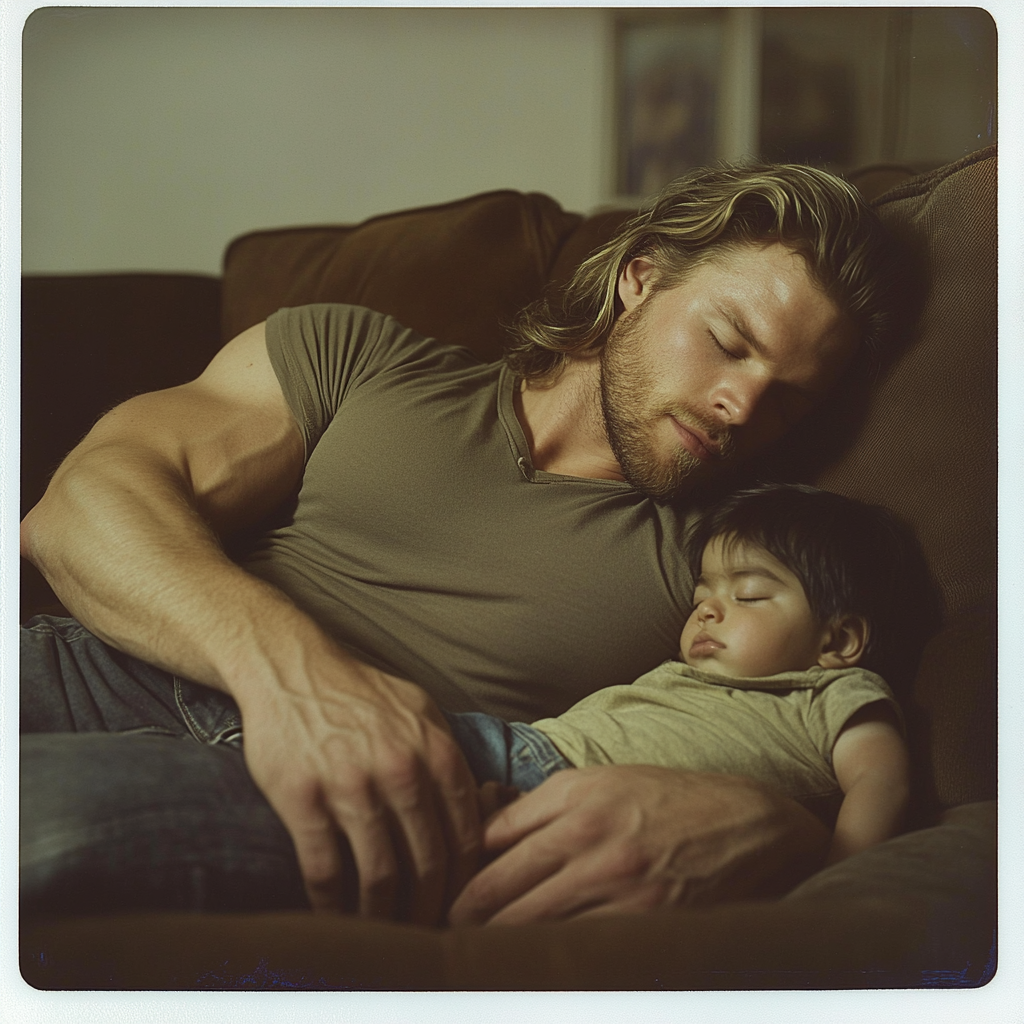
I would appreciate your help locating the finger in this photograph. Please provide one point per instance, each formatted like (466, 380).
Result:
(366, 826)
(421, 812)
(508, 878)
(607, 880)
(554, 898)
(588, 887)
(419, 828)
(642, 901)
(436, 814)
(320, 861)
(531, 812)
(459, 814)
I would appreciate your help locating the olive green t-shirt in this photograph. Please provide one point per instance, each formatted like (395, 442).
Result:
(779, 729)
(425, 542)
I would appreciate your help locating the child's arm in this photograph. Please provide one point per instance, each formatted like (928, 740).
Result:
(870, 761)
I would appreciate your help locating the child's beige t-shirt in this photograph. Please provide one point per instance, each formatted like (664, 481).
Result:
(778, 729)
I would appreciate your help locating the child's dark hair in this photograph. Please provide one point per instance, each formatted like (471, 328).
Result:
(852, 558)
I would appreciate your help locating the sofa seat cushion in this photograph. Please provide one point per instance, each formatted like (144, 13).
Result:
(917, 911)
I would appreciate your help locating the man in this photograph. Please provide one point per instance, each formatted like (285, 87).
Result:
(464, 527)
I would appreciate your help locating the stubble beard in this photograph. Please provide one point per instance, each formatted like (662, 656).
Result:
(631, 416)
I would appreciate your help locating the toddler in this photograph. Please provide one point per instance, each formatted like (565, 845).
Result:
(794, 601)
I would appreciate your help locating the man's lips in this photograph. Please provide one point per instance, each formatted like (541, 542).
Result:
(696, 442)
(703, 645)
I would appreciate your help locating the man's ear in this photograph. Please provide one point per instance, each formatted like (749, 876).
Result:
(635, 282)
(843, 642)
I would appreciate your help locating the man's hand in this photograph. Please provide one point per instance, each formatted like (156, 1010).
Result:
(344, 750)
(634, 838)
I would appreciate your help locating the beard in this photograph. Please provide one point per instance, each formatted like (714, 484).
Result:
(632, 414)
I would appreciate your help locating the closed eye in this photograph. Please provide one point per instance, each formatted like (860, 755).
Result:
(721, 348)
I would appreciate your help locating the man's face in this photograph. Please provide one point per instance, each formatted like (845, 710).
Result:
(750, 616)
(718, 367)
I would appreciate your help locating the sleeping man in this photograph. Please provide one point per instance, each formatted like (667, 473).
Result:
(502, 538)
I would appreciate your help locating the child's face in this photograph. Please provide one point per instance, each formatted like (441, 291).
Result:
(750, 616)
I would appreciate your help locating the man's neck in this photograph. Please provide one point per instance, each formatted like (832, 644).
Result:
(564, 425)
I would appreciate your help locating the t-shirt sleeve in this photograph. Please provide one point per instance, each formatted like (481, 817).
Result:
(832, 706)
(319, 353)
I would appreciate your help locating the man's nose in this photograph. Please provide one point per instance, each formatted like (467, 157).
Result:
(737, 400)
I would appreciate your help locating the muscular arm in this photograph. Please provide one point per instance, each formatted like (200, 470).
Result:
(126, 534)
(128, 526)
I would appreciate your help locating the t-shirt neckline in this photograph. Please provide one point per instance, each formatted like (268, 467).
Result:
(520, 449)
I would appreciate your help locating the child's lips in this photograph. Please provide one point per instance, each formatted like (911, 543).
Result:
(703, 645)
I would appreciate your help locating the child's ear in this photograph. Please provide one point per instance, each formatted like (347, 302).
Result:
(843, 642)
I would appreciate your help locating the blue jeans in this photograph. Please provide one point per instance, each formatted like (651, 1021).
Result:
(135, 793)
(512, 753)
(134, 789)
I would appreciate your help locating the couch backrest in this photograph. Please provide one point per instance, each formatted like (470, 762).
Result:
(455, 271)
(927, 450)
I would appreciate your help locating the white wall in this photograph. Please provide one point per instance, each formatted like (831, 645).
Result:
(151, 137)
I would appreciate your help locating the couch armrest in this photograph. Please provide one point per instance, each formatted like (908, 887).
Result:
(89, 341)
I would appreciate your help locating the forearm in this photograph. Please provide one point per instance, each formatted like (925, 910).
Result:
(873, 810)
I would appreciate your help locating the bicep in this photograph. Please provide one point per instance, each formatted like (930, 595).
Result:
(229, 435)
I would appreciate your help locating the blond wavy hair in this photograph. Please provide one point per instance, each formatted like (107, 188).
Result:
(700, 217)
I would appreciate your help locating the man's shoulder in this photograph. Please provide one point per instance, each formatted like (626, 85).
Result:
(342, 330)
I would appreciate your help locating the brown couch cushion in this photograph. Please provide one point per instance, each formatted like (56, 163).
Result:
(927, 450)
(457, 271)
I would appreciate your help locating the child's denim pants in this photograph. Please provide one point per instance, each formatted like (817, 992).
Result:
(512, 753)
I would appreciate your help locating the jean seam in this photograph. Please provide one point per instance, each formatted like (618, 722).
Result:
(193, 726)
(79, 632)
(154, 730)
(231, 736)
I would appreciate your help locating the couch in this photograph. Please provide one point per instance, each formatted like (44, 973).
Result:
(918, 436)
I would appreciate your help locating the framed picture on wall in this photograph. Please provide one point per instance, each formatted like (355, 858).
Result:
(667, 96)
(837, 87)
